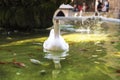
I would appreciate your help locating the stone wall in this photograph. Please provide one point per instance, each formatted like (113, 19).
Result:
(115, 8)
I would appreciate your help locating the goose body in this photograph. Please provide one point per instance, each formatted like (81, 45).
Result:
(55, 42)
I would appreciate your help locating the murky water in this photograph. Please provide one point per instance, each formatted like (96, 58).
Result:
(92, 55)
(92, 60)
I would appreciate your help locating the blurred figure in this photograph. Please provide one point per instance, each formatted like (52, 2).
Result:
(105, 7)
(84, 7)
(75, 9)
(99, 6)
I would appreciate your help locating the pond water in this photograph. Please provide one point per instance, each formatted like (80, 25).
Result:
(92, 54)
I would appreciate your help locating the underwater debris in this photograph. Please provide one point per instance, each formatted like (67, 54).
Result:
(94, 55)
(43, 72)
(98, 50)
(83, 49)
(118, 71)
(35, 61)
(18, 73)
(2, 62)
(18, 64)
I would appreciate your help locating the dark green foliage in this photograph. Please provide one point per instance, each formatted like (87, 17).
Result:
(27, 14)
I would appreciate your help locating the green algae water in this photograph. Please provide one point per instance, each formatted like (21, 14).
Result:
(93, 56)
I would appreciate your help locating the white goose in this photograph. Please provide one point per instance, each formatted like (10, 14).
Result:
(55, 42)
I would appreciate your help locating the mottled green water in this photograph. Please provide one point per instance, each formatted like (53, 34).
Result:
(90, 57)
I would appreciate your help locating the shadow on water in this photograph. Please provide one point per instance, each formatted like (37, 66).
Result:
(16, 36)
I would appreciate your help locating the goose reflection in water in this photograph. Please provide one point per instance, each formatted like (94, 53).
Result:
(56, 56)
